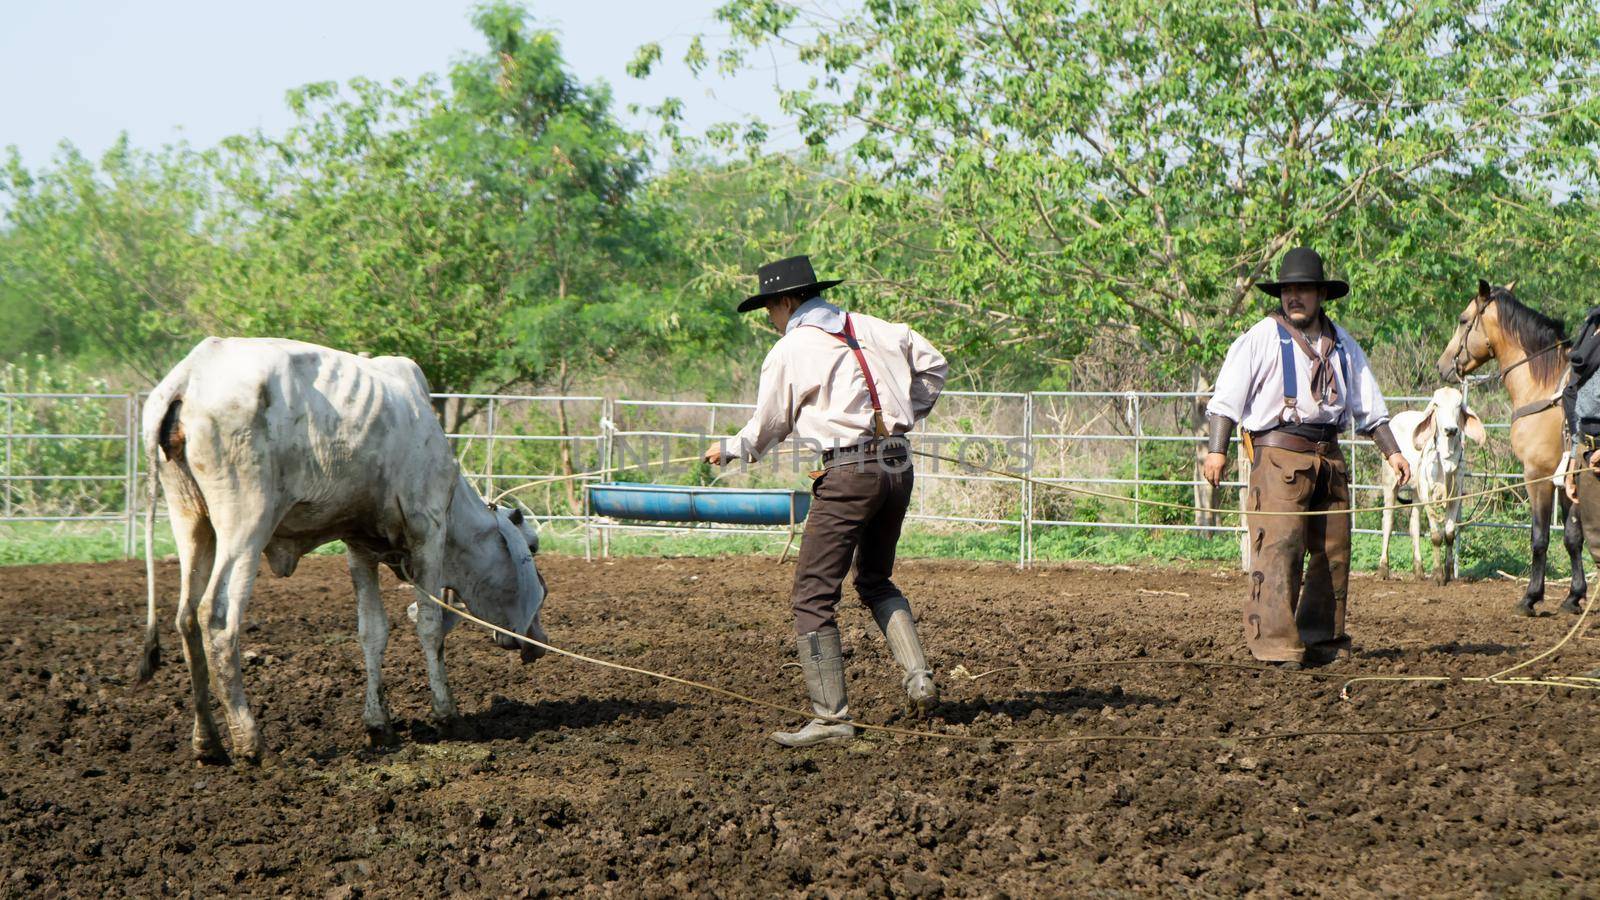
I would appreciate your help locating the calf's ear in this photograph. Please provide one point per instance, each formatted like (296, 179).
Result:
(1423, 436)
(1474, 429)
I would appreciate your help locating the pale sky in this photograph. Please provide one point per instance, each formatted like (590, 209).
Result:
(164, 70)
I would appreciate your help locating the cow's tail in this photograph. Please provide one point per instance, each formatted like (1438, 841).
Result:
(157, 426)
(150, 660)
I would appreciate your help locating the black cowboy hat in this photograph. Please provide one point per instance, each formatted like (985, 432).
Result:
(786, 276)
(1302, 265)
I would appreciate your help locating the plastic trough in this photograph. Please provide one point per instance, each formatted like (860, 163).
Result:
(680, 503)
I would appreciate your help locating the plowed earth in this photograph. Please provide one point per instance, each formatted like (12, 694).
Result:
(566, 778)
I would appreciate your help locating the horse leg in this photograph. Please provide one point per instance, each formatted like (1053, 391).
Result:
(1572, 520)
(1541, 497)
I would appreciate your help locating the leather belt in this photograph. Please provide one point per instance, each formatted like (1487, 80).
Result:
(893, 449)
(1286, 441)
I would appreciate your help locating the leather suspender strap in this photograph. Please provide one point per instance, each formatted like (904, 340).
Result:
(848, 337)
(1287, 338)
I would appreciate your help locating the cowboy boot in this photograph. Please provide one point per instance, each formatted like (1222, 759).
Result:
(900, 630)
(822, 660)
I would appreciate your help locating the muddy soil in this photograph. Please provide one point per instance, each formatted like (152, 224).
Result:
(570, 779)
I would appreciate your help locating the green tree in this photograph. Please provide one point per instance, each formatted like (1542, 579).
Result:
(112, 255)
(1028, 175)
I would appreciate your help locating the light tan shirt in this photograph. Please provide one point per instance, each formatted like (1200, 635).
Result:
(812, 387)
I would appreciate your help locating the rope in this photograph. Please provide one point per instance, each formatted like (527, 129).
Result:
(1074, 489)
(1498, 678)
(998, 739)
(1164, 504)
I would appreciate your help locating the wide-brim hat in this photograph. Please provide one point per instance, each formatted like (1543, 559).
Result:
(1302, 265)
(786, 276)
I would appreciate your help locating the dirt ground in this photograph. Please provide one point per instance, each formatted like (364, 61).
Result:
(571, 779)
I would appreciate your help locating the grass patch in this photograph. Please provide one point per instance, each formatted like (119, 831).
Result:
(1484, 551)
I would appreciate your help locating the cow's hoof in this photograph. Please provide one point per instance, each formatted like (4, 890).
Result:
(1383, 571)
(1573, 604)
(450, 728)
(382, 738)
(210, 756)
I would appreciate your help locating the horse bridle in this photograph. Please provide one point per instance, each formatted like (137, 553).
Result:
(1461, 357)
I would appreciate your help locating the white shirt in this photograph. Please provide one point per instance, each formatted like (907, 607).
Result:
(1250, 386)
(812, 387)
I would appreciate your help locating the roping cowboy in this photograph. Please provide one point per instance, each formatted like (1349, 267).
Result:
(852, 386)
(1294, 381)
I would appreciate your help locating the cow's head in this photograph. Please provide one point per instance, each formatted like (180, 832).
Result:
(1445, 420)
(521, 608)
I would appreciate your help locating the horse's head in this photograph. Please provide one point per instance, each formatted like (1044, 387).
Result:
(1477, 333)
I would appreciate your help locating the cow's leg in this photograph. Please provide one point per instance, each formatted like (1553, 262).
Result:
(372, 623)
(243, 527)
(1541, 497)
(1436, 537)
(1388, 526)
(1452, 527)
(1416, 541)
(197, 551)
(425, 570)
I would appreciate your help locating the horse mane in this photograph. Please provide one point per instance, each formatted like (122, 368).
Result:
(1533, 331)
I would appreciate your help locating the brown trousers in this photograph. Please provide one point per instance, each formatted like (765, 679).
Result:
(1589, 508)
(1293, 607)
(857, 510)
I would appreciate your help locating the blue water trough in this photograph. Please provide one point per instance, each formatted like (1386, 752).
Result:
(681, 503)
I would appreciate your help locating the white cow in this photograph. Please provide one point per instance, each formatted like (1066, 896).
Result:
(1430, 438)
(273, 447)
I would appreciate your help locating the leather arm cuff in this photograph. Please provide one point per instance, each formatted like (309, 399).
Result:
(1220, 431)
(1384, 438)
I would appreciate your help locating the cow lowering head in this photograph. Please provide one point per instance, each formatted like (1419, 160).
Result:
(490, 567)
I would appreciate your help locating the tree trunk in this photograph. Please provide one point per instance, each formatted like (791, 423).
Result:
(566, 445)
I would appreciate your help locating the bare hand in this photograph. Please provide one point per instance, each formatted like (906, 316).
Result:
(1402, 469)
(1213, 466)
(714, 455)
(1571, 486)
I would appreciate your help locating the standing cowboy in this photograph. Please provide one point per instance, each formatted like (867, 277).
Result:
(1581, 403)
(1294, 381)
(851, 385)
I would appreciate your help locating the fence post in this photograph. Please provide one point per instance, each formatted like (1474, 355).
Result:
(11, 428)
(1027, 486)
(488, 454)
(1138, 444)
(128, 476)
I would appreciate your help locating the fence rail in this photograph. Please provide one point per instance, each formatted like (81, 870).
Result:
(58, 464)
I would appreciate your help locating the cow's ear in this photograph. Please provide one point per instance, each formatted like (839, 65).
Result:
(1474, 429)
(1423, 436)
(516, 515)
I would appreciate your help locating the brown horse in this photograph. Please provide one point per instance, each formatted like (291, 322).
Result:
(1531, 350)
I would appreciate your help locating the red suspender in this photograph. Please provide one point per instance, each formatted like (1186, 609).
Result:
(849, 340)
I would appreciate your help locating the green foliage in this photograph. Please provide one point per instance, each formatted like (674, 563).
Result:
(111, 252)
(1029, 177)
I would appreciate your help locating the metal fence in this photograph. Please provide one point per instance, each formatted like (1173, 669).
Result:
(74, 458)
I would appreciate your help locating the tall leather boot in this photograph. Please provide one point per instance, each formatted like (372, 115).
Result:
(900, 630)
(822, 660)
